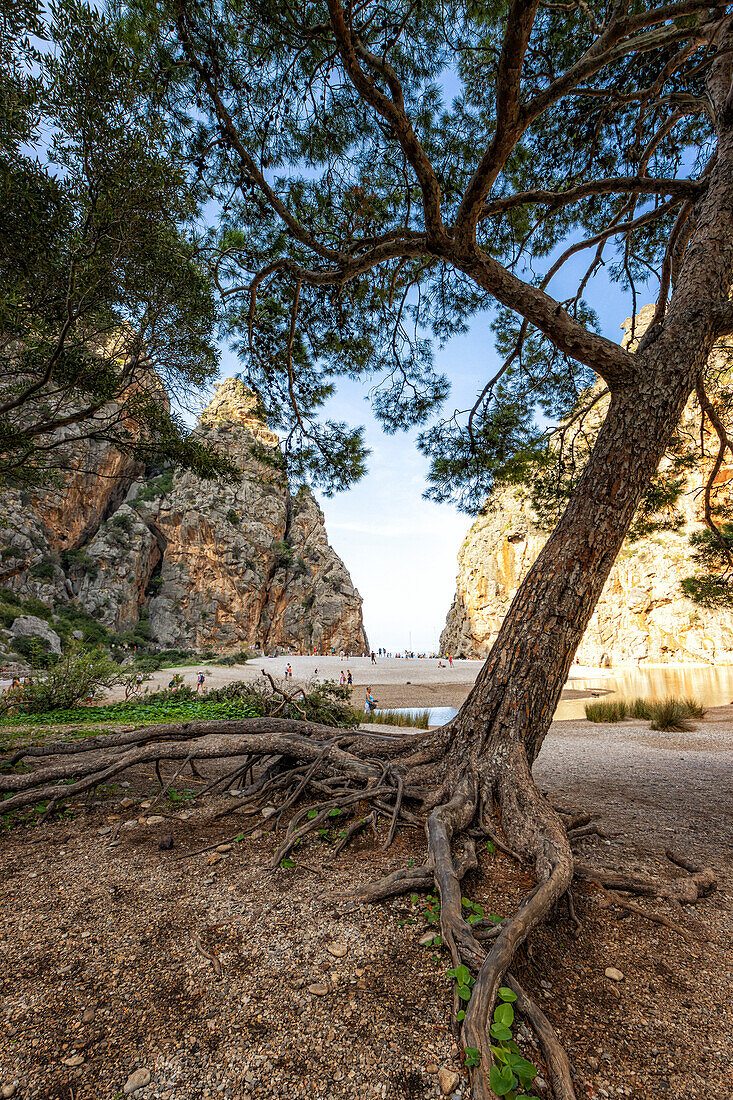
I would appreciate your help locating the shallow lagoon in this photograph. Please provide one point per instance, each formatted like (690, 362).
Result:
(713, 687)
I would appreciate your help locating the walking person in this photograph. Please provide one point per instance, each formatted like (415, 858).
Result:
(370, 701)
(200, 682)
(349, 678)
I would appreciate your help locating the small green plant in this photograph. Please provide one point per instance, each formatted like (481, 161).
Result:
(606, 712)
(511, 1071)
(465, 982)
(233, 517)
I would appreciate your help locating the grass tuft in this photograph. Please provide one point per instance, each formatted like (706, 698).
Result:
(640, 708)
(420, 720)
(606, 712)
(673, 714)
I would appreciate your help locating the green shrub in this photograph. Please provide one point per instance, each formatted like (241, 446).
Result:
(233, 517)
(157, 487)
(71, 617)
(606, 712)
(79, 560)
(78, 674)
(45, 569)
(35, 650)
(8, 615)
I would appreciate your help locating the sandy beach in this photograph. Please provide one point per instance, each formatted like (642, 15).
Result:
(395, 682)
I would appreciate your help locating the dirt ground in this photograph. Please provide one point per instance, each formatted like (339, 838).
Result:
(216, 977)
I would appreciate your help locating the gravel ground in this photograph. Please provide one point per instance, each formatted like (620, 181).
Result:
(217, 978)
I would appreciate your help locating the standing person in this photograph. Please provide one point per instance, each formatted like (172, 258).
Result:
(370, 701)
(341, 654)
(200, 682)
(289, 672)
(374, 658)
(450, 660)
(343, 678)
(349, 678)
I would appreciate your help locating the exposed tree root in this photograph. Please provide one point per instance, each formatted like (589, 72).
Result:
(314, 776)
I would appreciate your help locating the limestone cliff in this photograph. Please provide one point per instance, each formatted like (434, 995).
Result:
(204, 565)
(642, 615)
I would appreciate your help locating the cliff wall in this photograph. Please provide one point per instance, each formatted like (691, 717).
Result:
(642, 615)
(204, 564)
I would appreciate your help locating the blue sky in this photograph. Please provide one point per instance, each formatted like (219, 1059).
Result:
(400, 549)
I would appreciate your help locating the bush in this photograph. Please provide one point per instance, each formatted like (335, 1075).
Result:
(606, 712)
(71, 617)
(45, 569)
(79, 560)
(327, 703)
(158, 487)
(35, 650)
(233, 517)
(240, 657)
(79, 674)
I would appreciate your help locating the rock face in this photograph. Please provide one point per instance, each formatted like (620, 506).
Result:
(642, 615)
(205, 565)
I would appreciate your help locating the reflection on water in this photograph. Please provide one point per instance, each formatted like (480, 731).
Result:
(713, 687)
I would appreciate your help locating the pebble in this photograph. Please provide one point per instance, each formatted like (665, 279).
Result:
(9, 1090)
(103, 832)
(125, 802)
(614, 974)
(156, 819)
(214, 858)
(73, 1061)
(338, 950)
(257, 834)
(427, 938)
(165, 843)
(137, 1080)
(448, 1080)
(593, 1063)
(268, 811)
(224, 847)
(146, 804)
(88, 1014)
(318, 989)
(129, 824)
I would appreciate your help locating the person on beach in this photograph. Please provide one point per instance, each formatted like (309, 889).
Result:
(342, 680)
(370, 701)
(450, 660)
(200, 682)
(374, 658)
(349, 678)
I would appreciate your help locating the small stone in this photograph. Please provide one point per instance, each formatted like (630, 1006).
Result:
(129, 824)
(594, 1064)
(146, 804)
(427, 938)
(165, 843)
(88, 1014)
(74, 1061)
(124, 803)
(268, 811)
(257, 834)
(431, 1067)
(9, 1090)
(137, 1080)
(224, 847)
(448, 1080)
(614, 974)
(338, 950)
(105, 831)
(318, 989)
(214, 858)
(156, 819)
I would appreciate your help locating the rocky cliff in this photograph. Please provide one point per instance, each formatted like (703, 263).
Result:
(192, 564)
(642, 615)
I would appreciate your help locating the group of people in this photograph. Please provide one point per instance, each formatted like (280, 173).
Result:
(347, 678)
